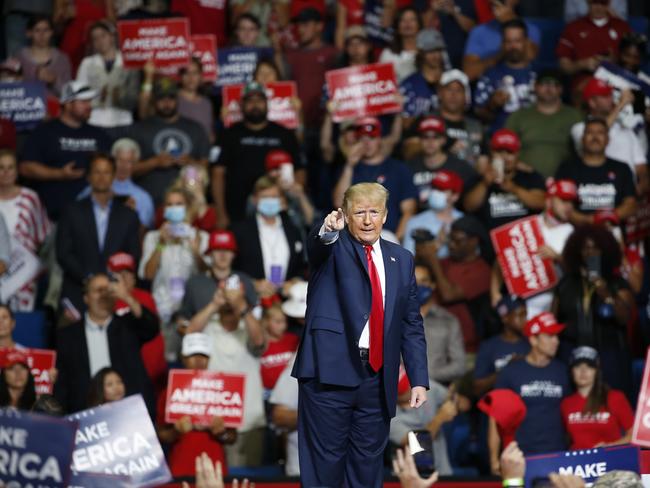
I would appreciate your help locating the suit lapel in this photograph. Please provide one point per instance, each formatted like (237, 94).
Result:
(112, 225)
(91, 218)
(358, 250)
(84, 357)
(390, 271)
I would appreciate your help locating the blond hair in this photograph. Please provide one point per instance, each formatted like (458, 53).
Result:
(373, 192)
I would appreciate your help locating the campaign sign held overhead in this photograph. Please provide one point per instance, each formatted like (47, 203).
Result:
(589, 464)
(119, 438)
(165, 41)
(35, 450)
(237, 64)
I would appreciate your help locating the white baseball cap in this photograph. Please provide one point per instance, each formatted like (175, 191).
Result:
(196, 343)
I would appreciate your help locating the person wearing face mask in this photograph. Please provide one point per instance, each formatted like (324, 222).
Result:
(270, 247)
(507, 191)
(595, 303)
(244, 147)
(445, 348)
(170, 256)
(446, 187)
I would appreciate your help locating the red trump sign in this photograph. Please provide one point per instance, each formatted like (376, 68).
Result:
(517, 245)
(40, 362)
(203, 395)
(204, 48)
(361, 91)
(280, 96)
(165, 41)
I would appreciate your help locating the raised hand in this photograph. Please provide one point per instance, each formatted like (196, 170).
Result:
(335, 221)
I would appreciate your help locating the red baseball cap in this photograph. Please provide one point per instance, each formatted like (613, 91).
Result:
(403, 384)
(507, 409)
(543, 323)
(447, 180)
(15, 356)
(505, 139)
(602, 217)
(432, 124)
(221, 240)
(121, 261)
(596, 88)
(368, 126)
(564, 189)
(276, 158)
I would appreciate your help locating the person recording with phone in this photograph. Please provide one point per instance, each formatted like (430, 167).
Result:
(508, 189)
(595, 303)
(170, 256)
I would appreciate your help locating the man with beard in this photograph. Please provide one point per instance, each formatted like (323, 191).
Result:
(603, 183)
(507, 86)
(168, 141)
(244, 147)
(57, 154)
(544, 127)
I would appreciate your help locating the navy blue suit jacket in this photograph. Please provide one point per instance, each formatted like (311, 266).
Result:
(338, 306)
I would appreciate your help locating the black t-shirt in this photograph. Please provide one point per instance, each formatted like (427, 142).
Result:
(178, 138)
(599, 188)
(500, 207)
(422, 175)
(55, 144)
(243, 152)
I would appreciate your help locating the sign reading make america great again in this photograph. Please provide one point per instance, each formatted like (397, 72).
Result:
(35, 450)
(361, 91)
(165, 41)
(119, 438)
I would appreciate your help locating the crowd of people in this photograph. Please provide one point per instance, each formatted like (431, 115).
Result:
(163, 238)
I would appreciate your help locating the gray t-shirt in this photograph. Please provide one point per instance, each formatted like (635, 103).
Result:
(407, 419)
(155, 136)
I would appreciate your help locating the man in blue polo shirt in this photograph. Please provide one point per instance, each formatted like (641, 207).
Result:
(541, 381)
(366, 162)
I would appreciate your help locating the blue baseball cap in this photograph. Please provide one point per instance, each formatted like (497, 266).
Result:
(509, 303)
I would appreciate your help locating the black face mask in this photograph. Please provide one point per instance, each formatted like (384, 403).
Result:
(255, 116)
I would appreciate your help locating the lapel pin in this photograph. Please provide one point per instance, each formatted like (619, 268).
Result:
(392, 259)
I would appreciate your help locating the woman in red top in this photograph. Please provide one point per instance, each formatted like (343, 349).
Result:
(595, 415)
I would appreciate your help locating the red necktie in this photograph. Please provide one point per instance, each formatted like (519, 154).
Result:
(376, 315)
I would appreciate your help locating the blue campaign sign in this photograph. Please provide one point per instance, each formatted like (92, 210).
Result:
(23, 103)
(589, 464)
(621, 78)
(35, 450)
(119, 438)
(237, 64)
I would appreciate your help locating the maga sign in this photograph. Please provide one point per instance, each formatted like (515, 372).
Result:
(165, 41)
(119, 438)
(35, 450)
(588, 464)
(361, 91)
(641, 429)
(517, 245)
(23, 103)
(204, 48)
(280, 97)
(237, 64)
(202, 395)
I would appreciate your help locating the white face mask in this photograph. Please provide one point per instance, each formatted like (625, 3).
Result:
(437, 200)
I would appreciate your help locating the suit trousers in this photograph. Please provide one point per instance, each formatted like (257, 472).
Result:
(342, 433)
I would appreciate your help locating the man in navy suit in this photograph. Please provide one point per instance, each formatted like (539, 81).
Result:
(362, 313)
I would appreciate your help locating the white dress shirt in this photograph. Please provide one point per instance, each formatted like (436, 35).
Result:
(275, 248)
(97, 341)
(377, 257)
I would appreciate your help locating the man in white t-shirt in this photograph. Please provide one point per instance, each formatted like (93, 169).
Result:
(556, 229)
(284, 413)
(624, 144)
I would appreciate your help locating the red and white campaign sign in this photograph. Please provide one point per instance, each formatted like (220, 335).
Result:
(202, 395)
(166, 41)
(204, 47)
(517, 245)
(641, 429)
(40, 362)
(361, 91)
(280, 97)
